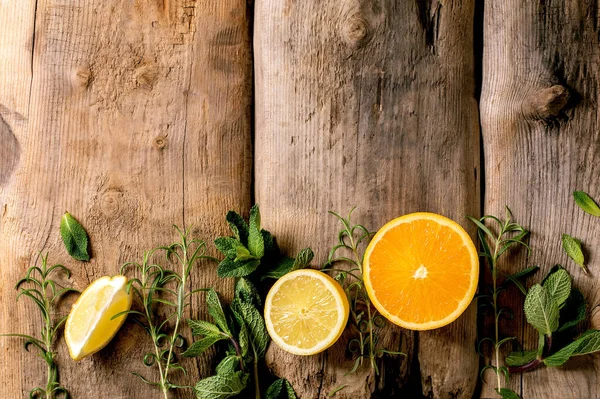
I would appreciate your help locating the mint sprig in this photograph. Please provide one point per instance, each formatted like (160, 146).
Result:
(253, 251)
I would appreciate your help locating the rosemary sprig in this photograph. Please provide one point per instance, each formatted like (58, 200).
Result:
(365, 319)
(496, 241)
(159, 285)
(40, 288)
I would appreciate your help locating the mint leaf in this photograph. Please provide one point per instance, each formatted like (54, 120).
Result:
(257, 331)
(284, 265)
(303, 259)
(558, 285)
(238, 226)
(520, 358)
(271, 248)
(231, 268)
(74, 237)
(572, 247)
(242, 254)
(540, 310)
(247, 292)
(585, 202)
(256, 243)
(221, 386)
(228, 246)
(216, 310)
(198, 347)
(507, 394)
(573, 312)
(588, 342)
(228, 365)
(280, 389)
(201, 327)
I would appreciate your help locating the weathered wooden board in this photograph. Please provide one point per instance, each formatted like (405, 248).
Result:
(132, 116)
(369, 104)
(540, 145)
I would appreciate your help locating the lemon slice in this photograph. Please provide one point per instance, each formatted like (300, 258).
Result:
(306, 312)
(89, 326)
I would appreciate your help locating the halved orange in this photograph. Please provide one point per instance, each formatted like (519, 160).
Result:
(421, 271)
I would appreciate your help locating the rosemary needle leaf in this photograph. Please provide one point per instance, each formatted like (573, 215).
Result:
(585, 202)
(572, 247)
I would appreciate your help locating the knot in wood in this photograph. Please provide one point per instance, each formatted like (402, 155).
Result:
(159, 142)
(146, 76)
(355, 29)
(546, 103)
(110, 203)
(81, 77)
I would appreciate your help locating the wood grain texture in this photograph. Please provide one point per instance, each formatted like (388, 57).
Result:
(127, 117)
(370, 104)
(540, 145)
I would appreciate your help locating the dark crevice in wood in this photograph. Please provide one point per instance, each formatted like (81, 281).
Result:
(429, 18)
(250, 17)
(35, 9)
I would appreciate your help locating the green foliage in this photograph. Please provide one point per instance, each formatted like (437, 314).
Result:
(572, 247)
(585, 202)
(221, 386)
(496, 239)
(366, 322)
(280, 389)
(520, 358)
(160, 286)
(41, 289)
(541, 310)
(506, 393)
(588, 342)
(74, 237)
(253, 251)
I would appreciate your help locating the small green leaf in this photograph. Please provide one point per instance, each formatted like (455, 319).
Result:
(228, 365)
(284, 266)
(238, 226)
(242, 254)
(588, 342)
(572, 247)
(216, 310)
(257, 331)
(201, 327)
(228, 246)
(247, 292)
(573, 312)
(506, 393)
(520, 358)
(256, 243)
(74, 237)
(231, 268)
(558, 285)
(280, 389)
(271, 248)
(540, 310)
(303, 259)
(221, 386)
(198, 347)
(585, 202)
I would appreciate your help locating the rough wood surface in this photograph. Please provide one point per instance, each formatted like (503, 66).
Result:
(540, 145)
(132, 116)
(368, 104)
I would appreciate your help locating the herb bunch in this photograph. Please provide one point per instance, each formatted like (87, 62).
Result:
(251, 255)
(156, 285)
(495, 242)
(45, 292)
(253, 251)
(366, 321)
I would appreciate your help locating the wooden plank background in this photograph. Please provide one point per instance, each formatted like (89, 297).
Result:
(137, 115)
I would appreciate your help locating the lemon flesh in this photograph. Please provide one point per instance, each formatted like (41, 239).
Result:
(89, 327)
(306, 312)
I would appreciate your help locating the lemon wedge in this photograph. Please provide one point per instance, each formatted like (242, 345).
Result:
(306, 312)
(89, 326)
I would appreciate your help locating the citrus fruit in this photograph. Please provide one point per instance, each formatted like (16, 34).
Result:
(306, 312)
(421, 271)
(89, 326)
